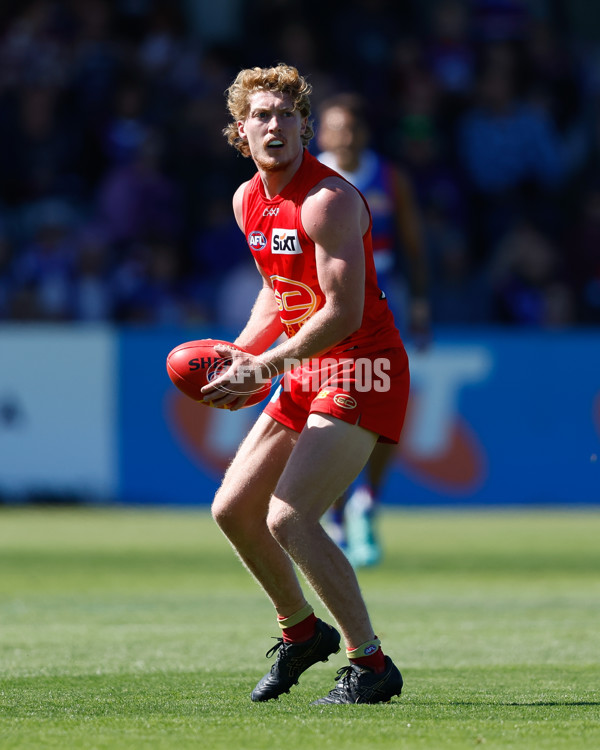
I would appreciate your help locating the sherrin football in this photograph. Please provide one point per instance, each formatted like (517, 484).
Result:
(195, 363)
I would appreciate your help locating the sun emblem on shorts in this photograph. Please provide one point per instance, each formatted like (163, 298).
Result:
(345, 401)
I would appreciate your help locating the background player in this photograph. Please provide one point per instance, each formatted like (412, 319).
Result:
(309, 232)
(343, 140)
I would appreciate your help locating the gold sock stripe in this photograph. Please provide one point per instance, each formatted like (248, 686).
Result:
(365, 649)
(296, 617)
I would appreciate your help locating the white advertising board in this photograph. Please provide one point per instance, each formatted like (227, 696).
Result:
(58, 409)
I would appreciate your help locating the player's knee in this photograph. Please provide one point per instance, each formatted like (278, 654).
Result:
(224, 512)
(281, 522)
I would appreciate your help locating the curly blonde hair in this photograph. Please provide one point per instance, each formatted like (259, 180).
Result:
(283, 78)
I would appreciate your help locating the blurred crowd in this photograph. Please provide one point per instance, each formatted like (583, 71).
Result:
(116, 181)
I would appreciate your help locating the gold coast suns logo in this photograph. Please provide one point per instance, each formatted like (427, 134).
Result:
(296, 302)
(345, 401)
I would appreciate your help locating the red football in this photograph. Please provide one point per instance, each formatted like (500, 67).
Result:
(195, 363)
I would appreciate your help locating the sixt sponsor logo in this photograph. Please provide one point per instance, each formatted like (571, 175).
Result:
(257, 240)
(285, 242)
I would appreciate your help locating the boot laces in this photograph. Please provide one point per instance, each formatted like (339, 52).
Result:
(346, 676)
(273, 650)
(283, 657)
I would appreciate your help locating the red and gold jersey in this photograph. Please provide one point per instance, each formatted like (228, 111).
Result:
(286, 254)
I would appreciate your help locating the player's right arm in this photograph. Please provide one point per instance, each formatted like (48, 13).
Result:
(264, 325)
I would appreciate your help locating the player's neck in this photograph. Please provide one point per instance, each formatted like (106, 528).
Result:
(275, 179)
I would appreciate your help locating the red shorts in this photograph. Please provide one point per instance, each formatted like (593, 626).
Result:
(370, 391)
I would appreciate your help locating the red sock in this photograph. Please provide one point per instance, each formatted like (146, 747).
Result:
(302, 631)
(375, 661)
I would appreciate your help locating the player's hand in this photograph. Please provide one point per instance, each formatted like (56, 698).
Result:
(237, 382)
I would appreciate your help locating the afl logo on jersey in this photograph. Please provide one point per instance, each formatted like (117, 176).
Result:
(285, 242)
(257, 240)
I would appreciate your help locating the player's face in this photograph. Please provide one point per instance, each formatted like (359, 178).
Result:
(273, 130)
(343, 135)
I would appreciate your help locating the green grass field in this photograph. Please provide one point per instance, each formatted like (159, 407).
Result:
(122, 629)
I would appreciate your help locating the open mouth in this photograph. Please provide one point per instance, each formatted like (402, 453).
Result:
(275, 144)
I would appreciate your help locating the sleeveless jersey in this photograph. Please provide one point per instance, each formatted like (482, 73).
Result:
(286, 255)
(374, 179)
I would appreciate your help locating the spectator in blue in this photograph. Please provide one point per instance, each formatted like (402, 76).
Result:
(511, 155)
(43, 270)
(151, 288)
(40, 149)
(505, 142)
(93, 295)
(220, 244)
(451, 56)
(137, 199)
(527, 280)
(457, 292)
